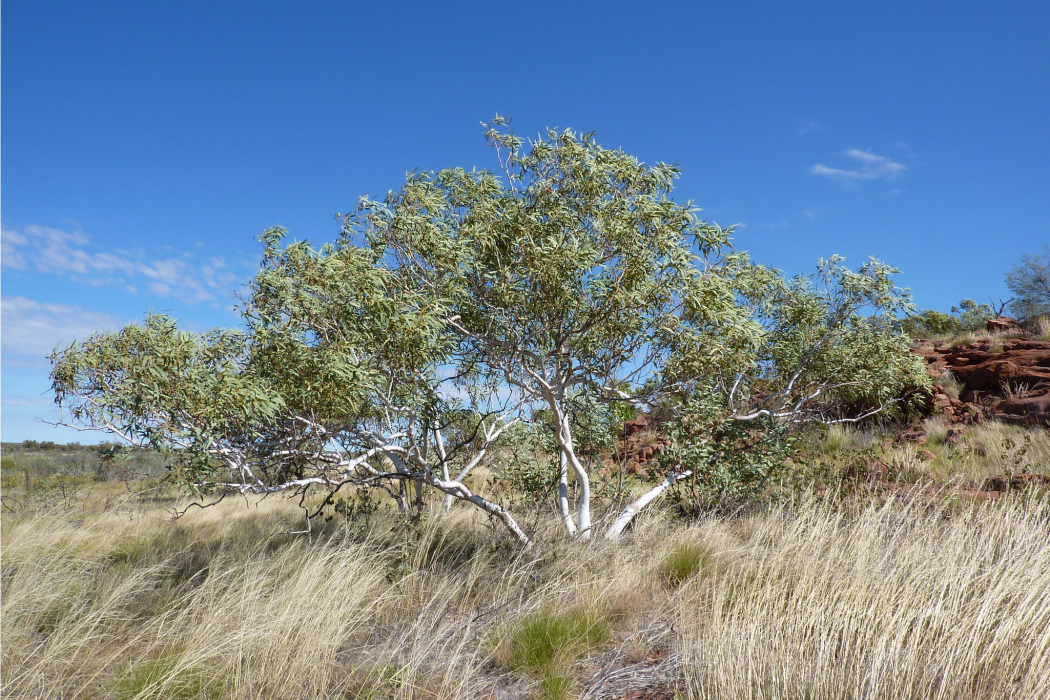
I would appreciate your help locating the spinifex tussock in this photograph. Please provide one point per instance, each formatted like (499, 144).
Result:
(897, 602)
(548, 640)
(685, 560)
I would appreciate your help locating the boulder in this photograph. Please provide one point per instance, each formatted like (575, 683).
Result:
(1003, 324)
(636, 425)
(1032, 405)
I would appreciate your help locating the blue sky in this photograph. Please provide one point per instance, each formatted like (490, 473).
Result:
(146, 145)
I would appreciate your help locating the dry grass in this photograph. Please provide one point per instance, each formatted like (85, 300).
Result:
(969, 458)
(951, 385)
(991, 448)
(1039, 327)
(896, 602)
(819, 597)
(841, 438)
(220, 604)
(962, 340)
(219, 599)
(967, 338)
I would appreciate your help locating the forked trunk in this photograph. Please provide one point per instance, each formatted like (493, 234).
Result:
(582, 527)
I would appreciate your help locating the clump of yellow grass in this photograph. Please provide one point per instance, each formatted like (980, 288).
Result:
(901, 600)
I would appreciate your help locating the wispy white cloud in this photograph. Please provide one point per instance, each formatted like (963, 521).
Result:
(810, 127)
(870, 167)
(812, 214)
(10, 256)
(32, 328)
(17, 401)
(69, 253)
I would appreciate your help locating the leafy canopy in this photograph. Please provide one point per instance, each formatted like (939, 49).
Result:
(573, 268)
(466, 301)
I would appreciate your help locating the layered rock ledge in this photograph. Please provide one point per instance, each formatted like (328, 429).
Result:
(1004, 379)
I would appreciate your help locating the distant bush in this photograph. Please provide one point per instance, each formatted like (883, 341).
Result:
(102, 462)
(930, 323)
(45, 445)
(968, 316)
(972, 315)
(1029, 280)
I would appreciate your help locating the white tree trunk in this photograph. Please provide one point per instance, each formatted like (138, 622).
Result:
(563, 493)
(419, 500)
(439, 443)
(583, 505)
(632, 509)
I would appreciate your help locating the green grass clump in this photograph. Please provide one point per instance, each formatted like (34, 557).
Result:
(964, 341)
(162, 678)
(555, 684)
(684, 561)
(548, 641)
(950, 384)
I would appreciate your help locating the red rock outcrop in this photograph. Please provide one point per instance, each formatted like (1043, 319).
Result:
(640, 443)
(1004, 379)
(1003, 324)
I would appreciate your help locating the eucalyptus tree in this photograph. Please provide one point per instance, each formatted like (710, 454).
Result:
(568, 275)
(467, 301)
(334, 381)
(576, 274)
(1029, 280)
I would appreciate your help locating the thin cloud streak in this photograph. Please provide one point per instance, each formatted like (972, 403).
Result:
(810, 127)
(67, 253)
(15, 401)
(9, 253)
(34, 329)
(871, 167)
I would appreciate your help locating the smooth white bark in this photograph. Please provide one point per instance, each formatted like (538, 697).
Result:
(634, 507)
(439, 444)
(583, 504)
(458, 490)
(563, 493)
